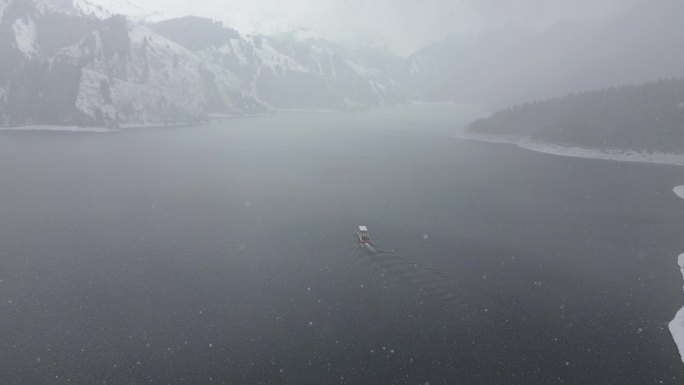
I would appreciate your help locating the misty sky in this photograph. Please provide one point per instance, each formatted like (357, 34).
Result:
(398, 25)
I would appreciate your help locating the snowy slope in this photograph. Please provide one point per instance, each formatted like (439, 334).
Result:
(289, 73)
(107, 8)
(298, 69)
(25, 36)
(154, 80)
(676, 326)
(55, 6)
(105, 72)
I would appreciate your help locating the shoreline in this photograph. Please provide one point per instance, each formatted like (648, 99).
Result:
(41, 127)
(213, 117)
(92, 129)
(676, 326)
(579, 152)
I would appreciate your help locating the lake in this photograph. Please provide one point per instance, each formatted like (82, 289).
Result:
(225, 253)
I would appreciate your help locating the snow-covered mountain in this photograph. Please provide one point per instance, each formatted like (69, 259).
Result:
(63, 64)
(72, 62)
(289, 70)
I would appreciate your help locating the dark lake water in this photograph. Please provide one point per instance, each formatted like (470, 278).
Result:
(225, 254)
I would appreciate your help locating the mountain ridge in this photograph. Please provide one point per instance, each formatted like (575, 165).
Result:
(65, 63)
(107, 72)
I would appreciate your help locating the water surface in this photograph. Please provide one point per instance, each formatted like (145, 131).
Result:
(225, 253)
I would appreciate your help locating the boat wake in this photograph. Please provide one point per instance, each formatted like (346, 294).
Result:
(481, 312)
(403, 270)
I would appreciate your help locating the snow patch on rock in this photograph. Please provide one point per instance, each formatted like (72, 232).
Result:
(235, 48)
(273, 58)
(106, 8)
(25, 36)
(57, 128)
(90, 100)
(89, 8)
(55, 6)
(3, 6)
(359, 69)
(140, 33)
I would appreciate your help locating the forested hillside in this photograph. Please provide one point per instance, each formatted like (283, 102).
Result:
(648, 117)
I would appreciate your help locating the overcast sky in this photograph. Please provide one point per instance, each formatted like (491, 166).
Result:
(398, 25)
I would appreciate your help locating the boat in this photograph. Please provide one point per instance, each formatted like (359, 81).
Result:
(362, 234)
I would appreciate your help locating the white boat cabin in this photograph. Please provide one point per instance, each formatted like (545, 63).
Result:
(362, 233)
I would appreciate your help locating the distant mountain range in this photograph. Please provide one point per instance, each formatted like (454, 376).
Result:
(66, 64)
(515, 64)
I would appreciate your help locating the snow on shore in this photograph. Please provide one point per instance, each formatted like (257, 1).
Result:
(580, 152)
(679, 190)
(95, 129)
(677, 324)
(57, 128)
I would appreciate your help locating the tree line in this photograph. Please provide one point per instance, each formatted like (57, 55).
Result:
(646, 117)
